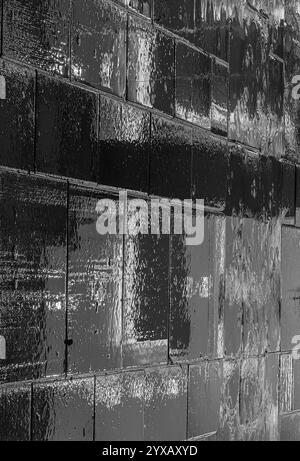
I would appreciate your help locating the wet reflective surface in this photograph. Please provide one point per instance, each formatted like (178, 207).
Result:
(17, 117)
(66, 129)
(120, 407)
(142, 6)
(219, 102)
(166, 402)
(98, 45)
(15, 405)
(33, 216)
(290, 322)
(256, 83)
(292, 58)
(63, 411)
(210, 169)
(38, 33)
(146, 304)
(290, 427)
(205, 23)
(259, 389)
(196, 272)
(260, 187)
(150, 66)
(204, 398)
(170, 160)
(229, 411)
(252, 306)
(193, 85)
(94, 287)
(123, 155)
(174, 341)
(297, 193)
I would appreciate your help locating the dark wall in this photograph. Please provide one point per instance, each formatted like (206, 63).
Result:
(179, 99)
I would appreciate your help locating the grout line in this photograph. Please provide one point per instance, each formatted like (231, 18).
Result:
(31, 412)
(126, 58)
(149, 148)
(140, 368)
(94, 411)
(71, 30)
(2, 26)
(35, 141)
(187, 405)
(169, 298)
(66, 364)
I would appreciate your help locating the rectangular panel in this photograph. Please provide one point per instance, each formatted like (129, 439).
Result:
(219, 97)
(124, 146)
(230, 393)
(204, 398)
(259, 390)
(166, 404)
(196, 271)
(212, 26)
(63, 411)
(292, 79)
(33, 256)
(120, 407)
(252, 286)
(37, 32)
(146, 300)
(297, 196)
(286, 384)
(209, 169)
(17, 116)
(193, 86)
(151, 61)
(66, 129)
(256, 83)
(205, 23)
(290, 428)
(94, 284)
(99, 45)
(142, 6)
(290, 269)
(15, 407)
(170, 162)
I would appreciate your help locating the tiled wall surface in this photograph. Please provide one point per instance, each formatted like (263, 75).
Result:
(172, 98)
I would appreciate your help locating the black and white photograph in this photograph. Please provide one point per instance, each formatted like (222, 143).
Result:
(149, 225)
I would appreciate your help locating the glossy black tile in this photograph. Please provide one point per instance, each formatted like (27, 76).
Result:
(17, 117)
(120, 407)
(99, 45)
(37, 32)
(66, 129)
(33, 215)
(63, 410)
(146, 301)
(210, 168)
(151, 62)
(193, 85)
(166, 404)
(15, 406)
(94, 286)
(124, 139)
(170, 161)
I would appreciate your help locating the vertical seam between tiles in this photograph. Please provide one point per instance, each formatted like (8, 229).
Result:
(35, 108)
(70, 32)
(2, 26)
(94, 409)
(31, 412)
(169, 297)
(125, 97)
(66, 365)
